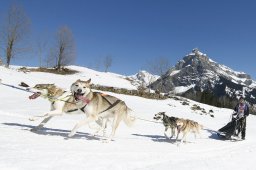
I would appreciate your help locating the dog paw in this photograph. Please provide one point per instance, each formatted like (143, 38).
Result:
(71, 134)
(96, 133)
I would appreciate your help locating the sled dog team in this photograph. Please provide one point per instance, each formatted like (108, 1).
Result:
(100, 108)
(178, 124)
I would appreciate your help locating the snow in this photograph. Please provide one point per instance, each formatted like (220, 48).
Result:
(182, 89)
(101, 78)
(196, 51)
(141, 147)
(228, 72)
(143, 78)
(174, 72)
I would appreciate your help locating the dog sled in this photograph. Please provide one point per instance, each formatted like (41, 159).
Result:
(231, 130)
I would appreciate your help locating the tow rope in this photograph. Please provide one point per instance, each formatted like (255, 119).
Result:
(29, 91)
(15, 87)
(146, 120)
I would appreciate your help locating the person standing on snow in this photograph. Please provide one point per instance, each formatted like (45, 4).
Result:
(242, 111)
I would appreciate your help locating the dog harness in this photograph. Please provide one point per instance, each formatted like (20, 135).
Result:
(87, 101)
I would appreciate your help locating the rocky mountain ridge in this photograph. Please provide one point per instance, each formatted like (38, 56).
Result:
(200, 78)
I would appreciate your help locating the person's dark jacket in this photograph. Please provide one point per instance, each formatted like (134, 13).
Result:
(246, 109)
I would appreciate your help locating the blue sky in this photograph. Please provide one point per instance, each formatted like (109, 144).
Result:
(135, 32)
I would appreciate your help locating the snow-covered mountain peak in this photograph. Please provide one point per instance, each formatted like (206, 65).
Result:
(200, 64)
(193, 59)
(199, 71)
(143, 78)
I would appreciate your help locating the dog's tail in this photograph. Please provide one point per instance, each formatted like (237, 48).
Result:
(128, 117)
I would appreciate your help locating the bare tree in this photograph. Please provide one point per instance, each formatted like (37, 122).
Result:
(15, 30)
(65, 48)
(159, 66)
(50, 60)
(107, 62)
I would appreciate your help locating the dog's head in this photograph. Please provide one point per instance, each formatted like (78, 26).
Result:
(179, 123)
(159, 116)
(80, 88)
(41, 89)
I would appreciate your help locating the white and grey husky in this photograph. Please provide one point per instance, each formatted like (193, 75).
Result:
(61, 102)
(99, 106)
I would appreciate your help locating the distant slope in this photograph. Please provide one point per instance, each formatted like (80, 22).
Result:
(64, 81)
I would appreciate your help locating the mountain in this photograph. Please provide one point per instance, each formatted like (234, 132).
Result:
(143, 78)
(200, 78)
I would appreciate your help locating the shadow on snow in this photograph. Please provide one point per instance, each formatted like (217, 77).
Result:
(157, 138)
(53, 132)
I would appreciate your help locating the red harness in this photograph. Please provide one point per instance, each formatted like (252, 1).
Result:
(85, 100)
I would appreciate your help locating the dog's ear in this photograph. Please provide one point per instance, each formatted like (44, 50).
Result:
(88, 81)
(78, 80)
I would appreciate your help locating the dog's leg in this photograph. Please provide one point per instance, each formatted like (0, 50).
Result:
(165, 132)
(116, 121)
(102, 128)
(178, 144)
(34, 118)
(79, 124)
(184, 137)
(178, 133)
(173, 132)
(47, 117)
(41, 125)
(50, 113)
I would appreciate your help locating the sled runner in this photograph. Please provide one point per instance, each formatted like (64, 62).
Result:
(231, 130)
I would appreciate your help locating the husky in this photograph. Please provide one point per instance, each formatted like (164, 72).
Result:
(99, 106)
(61, 102)
(185, 126)
(168, 122)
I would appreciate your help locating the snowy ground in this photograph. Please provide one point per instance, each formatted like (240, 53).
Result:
(141, 147)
